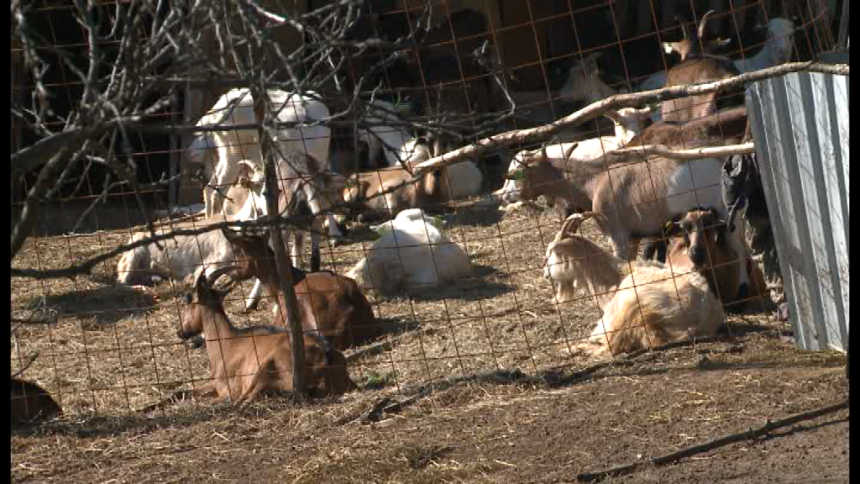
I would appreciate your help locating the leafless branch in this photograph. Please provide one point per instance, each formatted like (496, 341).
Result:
(619, 101)
(690, 154)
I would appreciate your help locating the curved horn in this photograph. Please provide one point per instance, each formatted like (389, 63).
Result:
(683, 27)
(701, 31)
(570, 151)
(573, 222)
(217, 273)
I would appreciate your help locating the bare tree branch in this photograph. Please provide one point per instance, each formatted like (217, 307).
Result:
(690, 154)
(619, 101)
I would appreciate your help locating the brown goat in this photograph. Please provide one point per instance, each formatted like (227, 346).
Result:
(30, 402)
(721, 127)
(698, 66)
(330, 305)
(245, 362)
(704, 247)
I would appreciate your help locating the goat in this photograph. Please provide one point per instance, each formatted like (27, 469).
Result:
(704, 247)
(648, 307)
(410, 254)
(402, 149)
(330, 305)
(29, 402)
(433, 188)
(180, 257)
(247, 361)
(237, 107)
(698, 65)
(628, 122)
(636, 198)
(776, 50)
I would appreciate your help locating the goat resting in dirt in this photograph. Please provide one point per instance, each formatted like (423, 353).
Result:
(650, 306)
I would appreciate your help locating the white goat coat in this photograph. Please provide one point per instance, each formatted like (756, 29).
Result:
(179, 258)
(411, 254)
(237, 107)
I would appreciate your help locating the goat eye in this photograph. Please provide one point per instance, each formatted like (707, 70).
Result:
(186, 299)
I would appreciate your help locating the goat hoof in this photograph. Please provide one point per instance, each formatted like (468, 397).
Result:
(336, 241)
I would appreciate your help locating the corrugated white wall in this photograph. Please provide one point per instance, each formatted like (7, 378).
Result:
(801, 131)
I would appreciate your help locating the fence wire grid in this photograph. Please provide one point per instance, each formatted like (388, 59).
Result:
(106, 98)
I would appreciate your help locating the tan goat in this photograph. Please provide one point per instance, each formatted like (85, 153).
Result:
(650, 306)
(245, 362)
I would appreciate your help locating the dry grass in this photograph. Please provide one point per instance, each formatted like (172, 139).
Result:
(115, 350)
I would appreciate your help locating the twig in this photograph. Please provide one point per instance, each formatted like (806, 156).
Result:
(713, 444)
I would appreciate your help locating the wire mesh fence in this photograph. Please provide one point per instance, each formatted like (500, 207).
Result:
(109, 149)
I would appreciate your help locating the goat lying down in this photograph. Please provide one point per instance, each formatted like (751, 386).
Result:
(248, 361)
(648, 306)
(178, 258)
(412, 253)
(330, 305)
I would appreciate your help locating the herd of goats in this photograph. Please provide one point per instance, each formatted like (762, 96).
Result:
(696, 259)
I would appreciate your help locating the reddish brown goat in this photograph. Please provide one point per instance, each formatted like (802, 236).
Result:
(247, 361)
(330, 305)
(704, 247)
(30, 402)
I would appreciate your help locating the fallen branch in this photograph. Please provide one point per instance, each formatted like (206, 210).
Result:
(691, 154)
(713, 444)
(619, 101)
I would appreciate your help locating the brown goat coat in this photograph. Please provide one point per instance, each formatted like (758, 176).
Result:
(722, 127)
(366, 192)
(329, 304)
(721, 270)
(30, 402)
(245, 362)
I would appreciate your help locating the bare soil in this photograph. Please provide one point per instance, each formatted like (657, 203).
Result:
(494, 393)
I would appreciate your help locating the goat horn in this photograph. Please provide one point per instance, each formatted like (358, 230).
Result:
(578, 218)
(702, 23)
(217, 273)
(683, 27)
(570, 151)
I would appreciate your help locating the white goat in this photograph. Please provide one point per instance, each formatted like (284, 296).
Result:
(649, 306)
(178, 258)
(237, 107)
(411, 253)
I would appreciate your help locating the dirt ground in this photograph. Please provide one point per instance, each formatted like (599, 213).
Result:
(490, 388)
